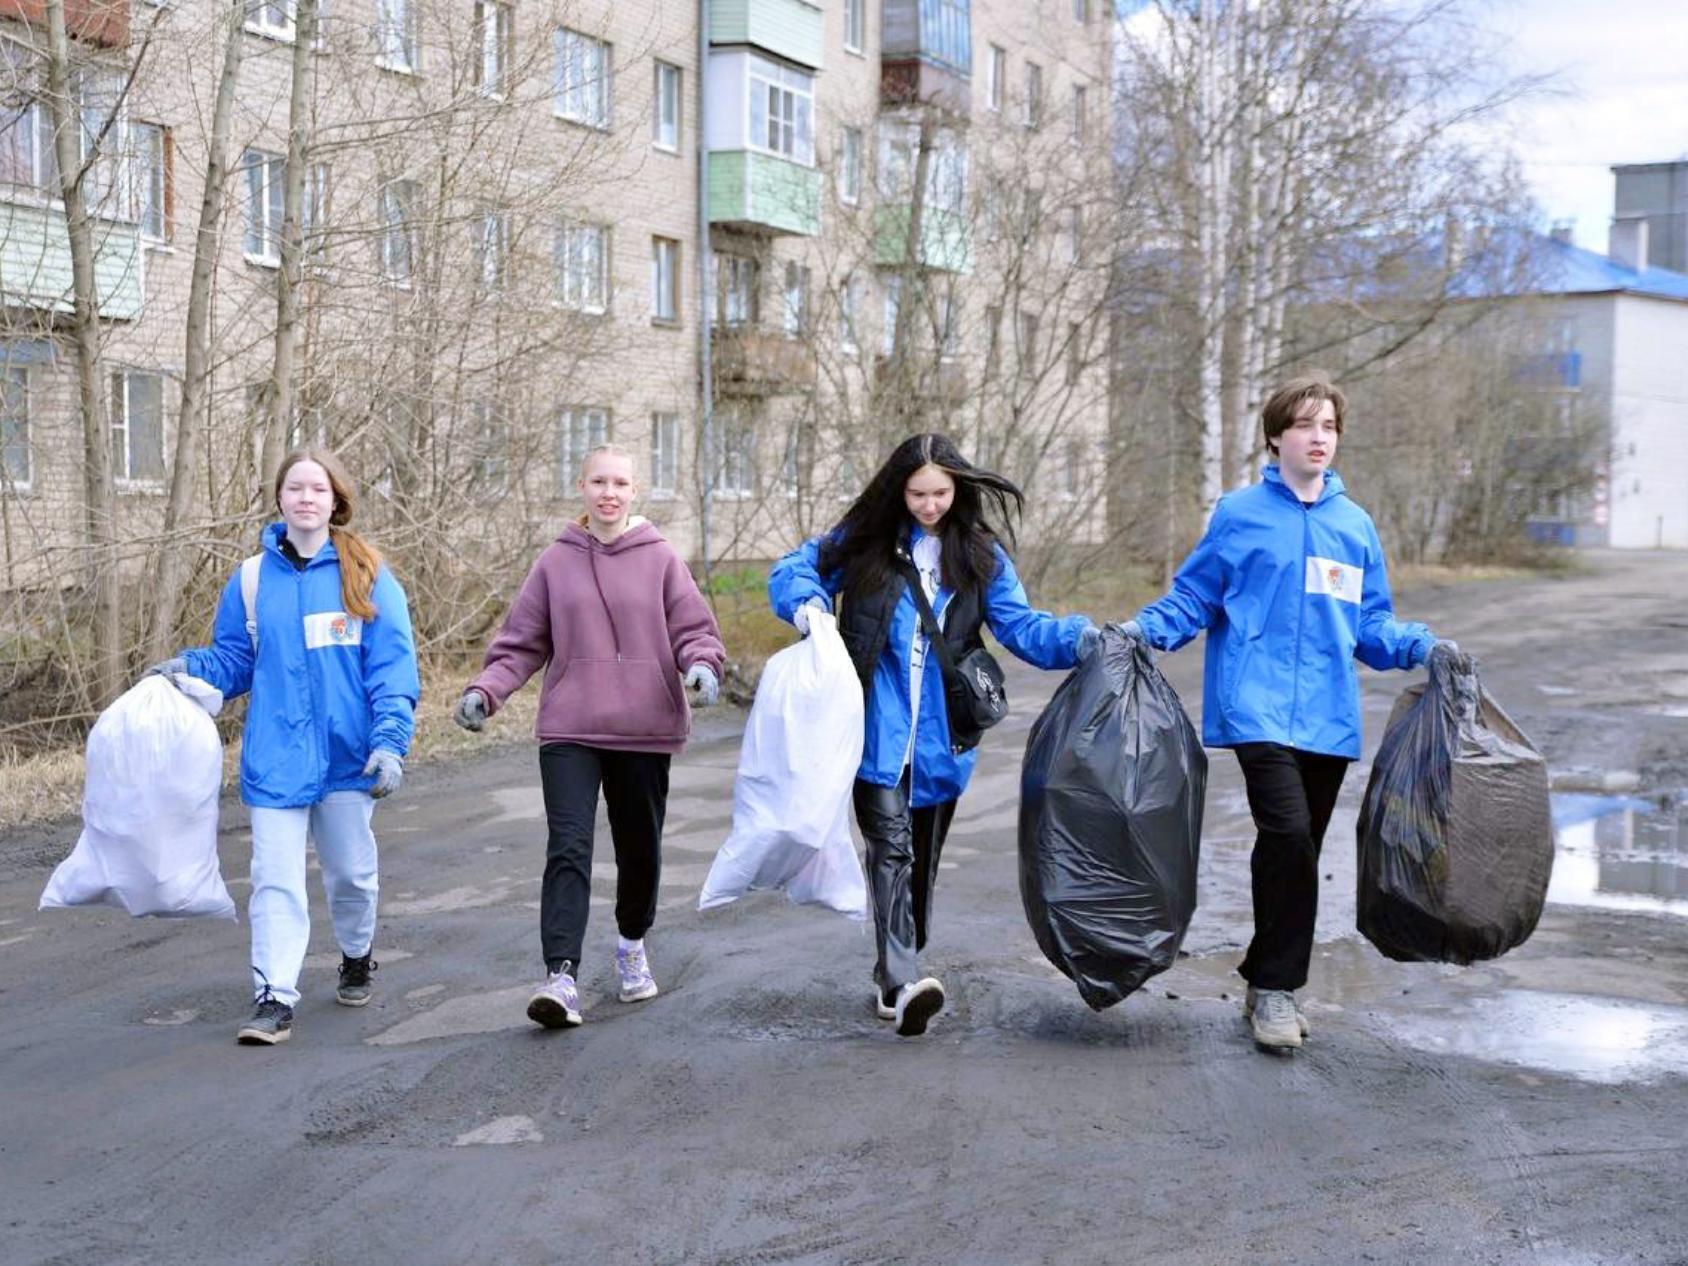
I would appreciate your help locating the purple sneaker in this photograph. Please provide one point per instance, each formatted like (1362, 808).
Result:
(556, 1003)
(637, 983)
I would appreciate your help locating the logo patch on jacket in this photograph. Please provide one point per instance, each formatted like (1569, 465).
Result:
(332, 628)
(1333, 579)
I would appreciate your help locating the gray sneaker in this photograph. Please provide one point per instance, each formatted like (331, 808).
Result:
(1300, 1015)
(1274, 1021)
(556, 1003)
(353, 990)
(271, 1022)
(634, 971)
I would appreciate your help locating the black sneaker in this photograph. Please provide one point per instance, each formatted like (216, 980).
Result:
(354, 980)
(271, 1022)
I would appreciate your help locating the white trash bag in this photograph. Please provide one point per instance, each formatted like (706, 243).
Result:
(149, 807)
(791, 799)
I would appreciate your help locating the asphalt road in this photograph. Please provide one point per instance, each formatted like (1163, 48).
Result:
(1527, 1110)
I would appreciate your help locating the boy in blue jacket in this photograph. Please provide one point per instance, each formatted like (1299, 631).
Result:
(1289, 583)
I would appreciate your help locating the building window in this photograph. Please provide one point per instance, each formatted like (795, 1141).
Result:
(1075, 235)
(397, 241)
(665, 280)
(893, 305)
(16, 457)
(153, 192)
(665, 454)
(1081, 12)
(850, 166)
(582, 259)
(1027, 330)
(1075, 352)
(946, 33)
(489, 460)
(665, 115)
(782, 111)
(946, 177)
(398, 35)
(795, 310)
(581, 79)
(1033, 115)
(798, 460)
(855, 25)
(263, 192)
(491, 233)
(100, 110)
(137, 428)
(316, 210)
(1031, 215)
(738, 281)
(1081, 105)
(996, 71)
(849, 315)
(273, 18)
(581, 430)
(734, 454)
(494, 46)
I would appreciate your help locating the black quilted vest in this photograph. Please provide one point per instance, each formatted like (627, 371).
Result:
(864, 622)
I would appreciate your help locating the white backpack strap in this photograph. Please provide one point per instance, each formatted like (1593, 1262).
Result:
(249, 594)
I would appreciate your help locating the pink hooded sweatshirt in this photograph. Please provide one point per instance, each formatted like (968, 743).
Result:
(615, 627)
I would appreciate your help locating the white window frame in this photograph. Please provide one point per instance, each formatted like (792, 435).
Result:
(850, 166)
(996, 71)
(581, 256)
(272, 19)
(849, 316)
(666, 105)
(794, 306)
(490, 233)
(123, 463)
(1075, 234)
(489, 464)
(665, 454)
(1032, 108)
(855, 26)
(738, 296)
(316, 206)
(1081, 12)
(581, 78)
(261, 207)
(665, 280)
(14, 389)
(892, 308)
(494, 43)
(797, 458)
(396, 217)
(581, 428)
(782, 98)
(150, 179)
(100, 90)
(398, 36)
(733, 468)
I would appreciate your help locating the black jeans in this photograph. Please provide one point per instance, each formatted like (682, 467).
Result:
(1291, 794)
(903, 845)
(636, 791)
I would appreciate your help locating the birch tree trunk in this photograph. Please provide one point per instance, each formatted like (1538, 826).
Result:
(1213, 234)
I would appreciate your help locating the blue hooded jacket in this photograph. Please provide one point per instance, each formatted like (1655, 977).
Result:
(939, 774)
(327, 688)
(1290, 596)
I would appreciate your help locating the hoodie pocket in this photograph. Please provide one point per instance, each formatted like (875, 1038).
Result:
(619, 698)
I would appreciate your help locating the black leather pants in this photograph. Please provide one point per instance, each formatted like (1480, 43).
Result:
(902, 869)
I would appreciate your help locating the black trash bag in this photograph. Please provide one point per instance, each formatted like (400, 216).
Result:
(1456, 832)
(1111, 793)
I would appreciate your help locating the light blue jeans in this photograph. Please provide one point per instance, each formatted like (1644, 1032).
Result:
(338, 825)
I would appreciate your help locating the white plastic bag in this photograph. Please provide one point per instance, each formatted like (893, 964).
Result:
(791, 800)
(149, 807)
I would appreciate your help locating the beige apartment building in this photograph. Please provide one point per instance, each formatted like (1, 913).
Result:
(690, 228)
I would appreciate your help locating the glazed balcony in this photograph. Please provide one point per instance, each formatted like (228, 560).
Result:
(35, 270)
(752, 361)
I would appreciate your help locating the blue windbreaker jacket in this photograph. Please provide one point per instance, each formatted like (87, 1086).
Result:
(327, 688)
(939, 774)
(1290, 596)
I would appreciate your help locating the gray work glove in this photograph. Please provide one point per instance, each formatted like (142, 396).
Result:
(471, 711)
(1089, 638)
(388, 769)
(702, 678)
(167, 668)
(1442, 654)
(800, 617)
(1133, 629)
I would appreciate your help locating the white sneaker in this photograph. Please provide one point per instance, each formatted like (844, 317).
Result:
(637, 983)
(884, 1010)
(556, 1003)
(916, 1005)
(1300, 1015)
(1274, 1021)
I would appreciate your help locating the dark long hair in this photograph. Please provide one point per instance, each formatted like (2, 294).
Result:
(863, 544)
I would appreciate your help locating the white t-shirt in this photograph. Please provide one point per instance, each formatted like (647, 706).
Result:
(928, 557)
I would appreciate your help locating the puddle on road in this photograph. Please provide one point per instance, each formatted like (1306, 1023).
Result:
(1588, 1038)
(1621, 853)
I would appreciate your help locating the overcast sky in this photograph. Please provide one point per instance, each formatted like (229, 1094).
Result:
(1625, 64)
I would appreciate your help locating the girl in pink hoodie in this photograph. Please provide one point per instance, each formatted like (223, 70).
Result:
(613, 616)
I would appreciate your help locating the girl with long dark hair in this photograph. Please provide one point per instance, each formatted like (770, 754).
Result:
(318, 630)
(928, 517)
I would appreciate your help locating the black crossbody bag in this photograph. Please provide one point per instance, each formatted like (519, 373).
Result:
(975, 692)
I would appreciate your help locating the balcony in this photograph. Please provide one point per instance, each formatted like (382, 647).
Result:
(792, 29)
(939, 383)
(763, 194)
(35, 263)
(749, 361)
(103, 23)
(946, 243)
(926, 54)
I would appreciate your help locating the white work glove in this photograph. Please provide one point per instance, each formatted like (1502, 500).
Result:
(702, 678)
(388, 769)
(471, 711)
(800, 617)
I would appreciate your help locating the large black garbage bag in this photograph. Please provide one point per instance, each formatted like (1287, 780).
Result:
(1455, 833)
(1111, 793)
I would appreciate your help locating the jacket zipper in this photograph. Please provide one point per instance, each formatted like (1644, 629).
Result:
(318, 717)
(615, 634)
(1300, 619)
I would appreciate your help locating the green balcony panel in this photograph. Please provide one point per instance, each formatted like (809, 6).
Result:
(792, 29)
(760, 191)
(35, 263)
(945, 241)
